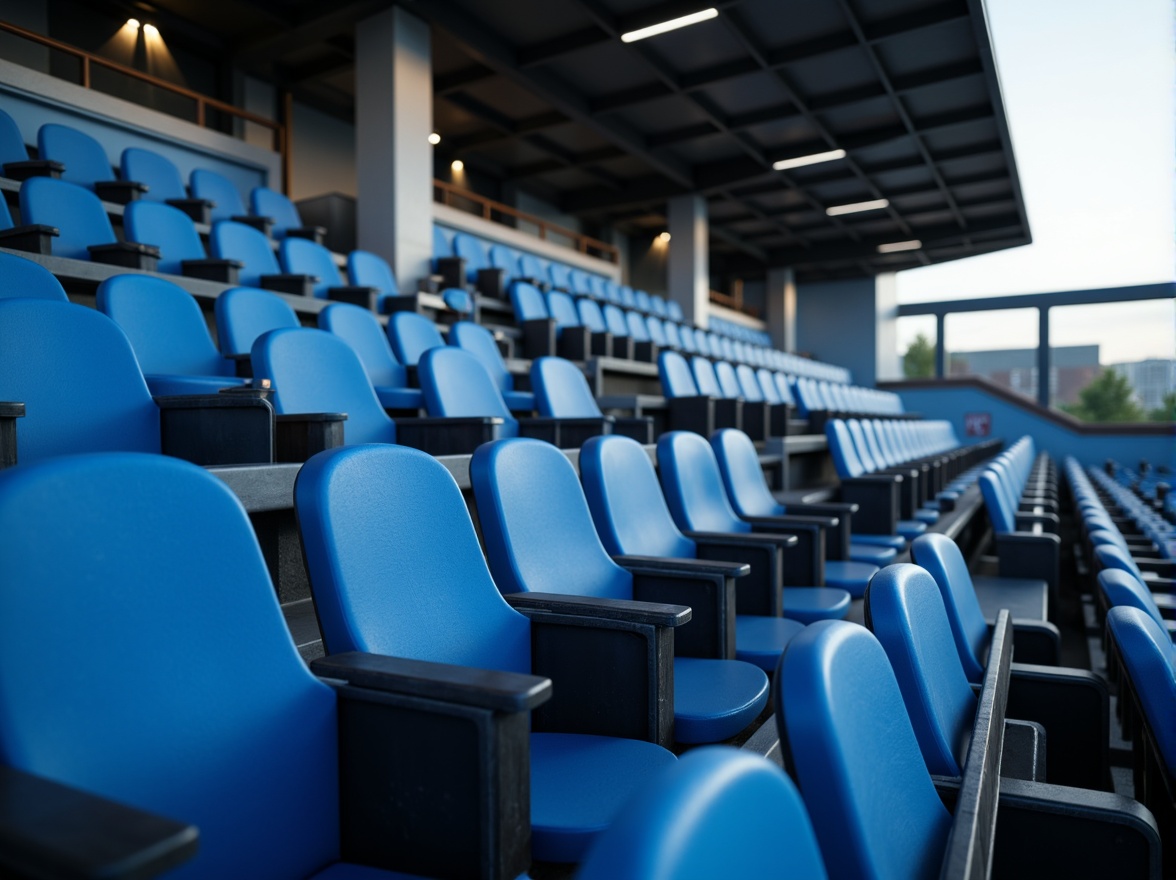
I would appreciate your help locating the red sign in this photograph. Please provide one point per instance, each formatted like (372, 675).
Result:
(978, 424)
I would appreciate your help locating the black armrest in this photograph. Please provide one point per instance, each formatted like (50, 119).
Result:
(358, 295)
(877, 498)
(9, 413)
(299, 436)
(1049, 521)
(1036, 641)
(36, 238)
(243, 361)
(1029, 555)
(261, 224)
(298, 285)
(655, 613)
(837, 538)
(217, 429)
(128, 254)
(314, 233)
(27, 168)
(200, 210)
(538, 337)
(223, 271)
(121, 192)
(805, 565)
(448, 436)
(760, 591)
(463, 685)
(695, 414)
(1156, 564)
(53, 830)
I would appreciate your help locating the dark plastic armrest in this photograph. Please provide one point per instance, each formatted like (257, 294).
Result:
(314, 233)
(262, 224)
(120, 192)
(826, 508)
(358, 295)
(687, 567)
(128, 254)
(53, 830)
(463, 685)
(224, 271)
(36, 238)
(298, 436)
(33, 168)
(874, 478)
(1036, 641)
(217, 429)
(789, 521)
(298, 285)
(655, 614)
(1156, 564)
(200, 210)
(715, 539)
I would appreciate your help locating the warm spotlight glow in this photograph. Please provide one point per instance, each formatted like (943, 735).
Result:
(132, 23)
(434, 139)
(895, 246)
(663, 237)
(457, 165)
(671, 25)
(854, 208)
(813, 159)
(150, 31)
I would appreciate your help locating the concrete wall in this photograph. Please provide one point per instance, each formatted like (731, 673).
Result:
(851, 323)
(322, 155)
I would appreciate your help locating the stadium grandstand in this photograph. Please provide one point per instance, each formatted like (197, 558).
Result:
(468, 439)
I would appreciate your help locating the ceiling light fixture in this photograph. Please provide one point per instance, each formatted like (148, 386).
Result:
(672, 25)
(812, 159)
(132, 23)
(663, 237)
(150, 30)
(457, 165)
(895, 246)
(434, 139)
(854, 208)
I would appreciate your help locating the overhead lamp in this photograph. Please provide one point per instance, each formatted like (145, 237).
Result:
(672, 25)
(150, 30)
(132, 23)
(434, 139)
(456, 165)
(811, 159)
(856, 207)
(895, 246)
(663, 237)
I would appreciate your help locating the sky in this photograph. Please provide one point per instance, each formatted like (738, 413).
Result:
(1090, 93)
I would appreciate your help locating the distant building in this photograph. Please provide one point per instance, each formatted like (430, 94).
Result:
(1150, 379)
(1072, 368)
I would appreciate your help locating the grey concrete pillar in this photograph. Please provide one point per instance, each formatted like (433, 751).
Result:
(852, 323)
(1043, 357)
(689, 265)
(780, 308)
(393, 157)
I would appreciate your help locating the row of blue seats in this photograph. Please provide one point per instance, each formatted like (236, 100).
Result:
(1145, 518)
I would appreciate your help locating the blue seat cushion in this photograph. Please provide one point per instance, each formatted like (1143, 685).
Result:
(761, 640)
(850, 576)
(519, 401)
(161, 385)
(930, 517)
(898, 542)
(399, 398)
(872, 554)
(910, 528)
(715, 699)
(578, 783)
(810, 604)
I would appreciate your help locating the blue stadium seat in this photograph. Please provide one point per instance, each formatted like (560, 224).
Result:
(259, 265)
(359, 328)
(1121, 588)
(562, 392)
(226, 200)
(14, 154)
(478, 341)
(163, 181)
(717, 813)
(473, 251)
(181, 252)
(365, 269)
(694, 492)
(439, 604)
(168, 333)
(411, 335)
(632, 519)
(531, 269)
(301, 256)
(24, 279)
(559, 276)
(243, 314)
(442, 248)
(877, 494)
(539, 538)
(502, 257)
(85, 232)
(456, 385)
(265, 202)
(86, 163)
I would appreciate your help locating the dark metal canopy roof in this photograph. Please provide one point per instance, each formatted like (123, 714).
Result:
(543, 94)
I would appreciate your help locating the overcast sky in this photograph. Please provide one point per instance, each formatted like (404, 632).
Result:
(1089, 89)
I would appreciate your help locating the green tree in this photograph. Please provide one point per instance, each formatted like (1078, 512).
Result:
(919, 360)
(1107, 399)
(1166, 411)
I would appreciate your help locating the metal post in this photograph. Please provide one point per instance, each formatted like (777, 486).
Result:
(940, 347)
(1043, 356)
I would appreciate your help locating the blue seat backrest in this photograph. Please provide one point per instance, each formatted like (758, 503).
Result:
(218, 189)
(561, 390)
(559, 275)
(1122, 588)
(530, 266)
(265, 202)
(728, 381)
(479, 342)
(359, 328)
(579, 281)
(169, 229)
(536, 524)
(614, 319)
(139, 575)
(596, 286)
(313, 371)
(528, 302)
(693, 486)
(673, 336)
(473, 252)
(689, 344)
(458, 299)
(502, 257)
(24, 279)
(1148, 653)
(164, 324)
(845, 458)
(674, 311)
(1109, 552)
(626, 501)
(658, 304)
(742, 475)
(768, 387)
(591, 316)
(454, 384)
(749, 384)
(441, 244)
(705, 377)
(717, 812)
(994, 501)
(75, 211)
(675, 375)
(365, 269)
(941, 557)
(84, 158)
(835, 692)
(656, 332)
(159, 173)
(638, 329)
(642, 301)
(5, 215)
(301, 256)
(411, 335)
(12, 145)
(906, 613)
(628, 299)
(236, 241)
(612, 291)
(244, 313)
(562, 308)
(77, 375)
(859, 443)
(435, 603)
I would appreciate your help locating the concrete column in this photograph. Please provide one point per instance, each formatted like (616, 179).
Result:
(852, 323)
(1043, 356)
(393, 157)
(780, 308)
(689, 265)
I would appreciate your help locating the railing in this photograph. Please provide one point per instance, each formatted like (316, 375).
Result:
(488, 209)
(734, 300)
(203, 102)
